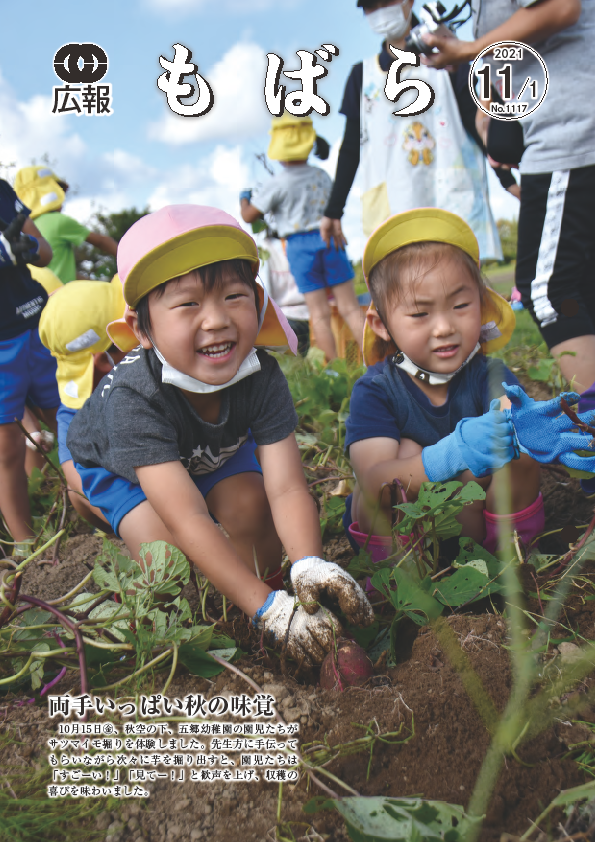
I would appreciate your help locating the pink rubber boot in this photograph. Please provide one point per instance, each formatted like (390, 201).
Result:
(379, 546)
(528, 524)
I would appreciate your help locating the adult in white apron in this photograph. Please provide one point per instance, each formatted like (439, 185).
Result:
(403, 158)
(423, 161)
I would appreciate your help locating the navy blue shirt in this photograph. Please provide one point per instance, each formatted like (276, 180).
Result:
(21, 297)
(387, 403)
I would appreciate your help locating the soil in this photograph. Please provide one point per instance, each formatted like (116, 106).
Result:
(441, 740)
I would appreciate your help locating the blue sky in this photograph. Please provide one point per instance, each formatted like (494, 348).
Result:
(142, 153)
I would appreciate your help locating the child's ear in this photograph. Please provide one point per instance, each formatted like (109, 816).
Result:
(377, 325)
(131, 319)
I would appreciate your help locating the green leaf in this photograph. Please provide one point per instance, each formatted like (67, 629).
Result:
(465, 585)
(109, 612)
(410, 597)
(198, 662)
(375, 819)
(363, 637)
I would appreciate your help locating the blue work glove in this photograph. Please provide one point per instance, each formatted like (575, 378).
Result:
(546, 433)
(7, 258)
(246, 194)
(482, 445)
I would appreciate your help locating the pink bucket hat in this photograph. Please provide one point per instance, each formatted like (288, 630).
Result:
(180, 238)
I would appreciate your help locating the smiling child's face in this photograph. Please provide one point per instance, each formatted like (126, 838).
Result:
(206, 335)
(436, 321)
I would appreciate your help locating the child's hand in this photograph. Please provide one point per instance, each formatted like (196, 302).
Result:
(309, 636)
(311, 576)
(546, 433)
(482, 445)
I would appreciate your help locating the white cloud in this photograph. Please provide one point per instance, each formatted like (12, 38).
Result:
(215, 181)
(239, 110)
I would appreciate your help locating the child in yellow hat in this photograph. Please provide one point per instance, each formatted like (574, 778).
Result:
(73, 326)
(425, 408)
(44, 193)
(168, 437)
(296, 199)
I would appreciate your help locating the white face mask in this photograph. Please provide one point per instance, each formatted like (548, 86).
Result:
(390, 22)
(177, 378)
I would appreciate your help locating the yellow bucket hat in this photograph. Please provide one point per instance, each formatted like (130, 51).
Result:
(292, 138)
(434, 225)
(44, 276)
(39, 188)
(73, 327)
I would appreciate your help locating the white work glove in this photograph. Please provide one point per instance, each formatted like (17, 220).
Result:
(310, 576)
(310, 636)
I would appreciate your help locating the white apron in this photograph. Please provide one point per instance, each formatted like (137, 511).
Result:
(424, 161)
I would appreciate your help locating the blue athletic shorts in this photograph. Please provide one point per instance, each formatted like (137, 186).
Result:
(64, 416)
(313, 265)
(28, 371)
(116, 496)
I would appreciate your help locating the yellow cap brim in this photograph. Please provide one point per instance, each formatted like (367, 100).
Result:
(191, 250)
(417, 226)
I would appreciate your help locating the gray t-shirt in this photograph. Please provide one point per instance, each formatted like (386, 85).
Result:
(560, 134)
(295, 198)
(132, 419)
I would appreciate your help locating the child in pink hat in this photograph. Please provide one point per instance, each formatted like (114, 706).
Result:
(166, 444)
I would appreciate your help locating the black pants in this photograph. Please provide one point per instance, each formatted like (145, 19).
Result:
(555, 273)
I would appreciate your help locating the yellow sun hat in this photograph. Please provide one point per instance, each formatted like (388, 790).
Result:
(176, 240)
(73, 327)
(44, 276)
(292, 138)
(39, 188)
(434, 225)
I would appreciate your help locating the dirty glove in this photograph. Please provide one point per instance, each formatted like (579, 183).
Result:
(310, 576)
(546, 433)
(483, 445)
(310, 636)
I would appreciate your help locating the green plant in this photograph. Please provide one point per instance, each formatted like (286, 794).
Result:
(94, 632)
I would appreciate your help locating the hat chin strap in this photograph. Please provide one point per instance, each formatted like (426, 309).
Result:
(402, 361)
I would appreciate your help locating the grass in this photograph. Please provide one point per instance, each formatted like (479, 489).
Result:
(28, 815)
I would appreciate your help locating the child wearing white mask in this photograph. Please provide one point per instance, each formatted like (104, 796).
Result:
(434, 159)
(166, 442)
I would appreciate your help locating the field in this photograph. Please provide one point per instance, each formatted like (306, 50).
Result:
(479, 698)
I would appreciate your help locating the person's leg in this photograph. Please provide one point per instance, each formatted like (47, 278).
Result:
(80, 504)
(525, 504)
(33, 458)
(350, 310)
(142, 525)
(14, 497)
(554, 271)
(320, 316)
(241, 506)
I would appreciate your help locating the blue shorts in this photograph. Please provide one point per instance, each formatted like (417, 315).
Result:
(116, 496)
(313, 265)
(28, 371)
(64, 416)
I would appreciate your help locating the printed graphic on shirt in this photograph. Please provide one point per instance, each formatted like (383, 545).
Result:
(419, 143)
